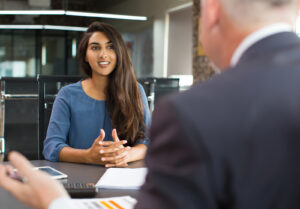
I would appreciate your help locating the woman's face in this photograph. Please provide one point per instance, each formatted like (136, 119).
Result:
(100, 54)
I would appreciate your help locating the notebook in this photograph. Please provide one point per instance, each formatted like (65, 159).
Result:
(122, 178)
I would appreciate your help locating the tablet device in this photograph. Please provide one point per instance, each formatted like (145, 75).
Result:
(55, 174)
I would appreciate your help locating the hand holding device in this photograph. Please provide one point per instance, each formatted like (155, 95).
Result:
(38, 191)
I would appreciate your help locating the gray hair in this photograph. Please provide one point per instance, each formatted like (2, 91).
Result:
(253, 12)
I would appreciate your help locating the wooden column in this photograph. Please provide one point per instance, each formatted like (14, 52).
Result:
(202, 69)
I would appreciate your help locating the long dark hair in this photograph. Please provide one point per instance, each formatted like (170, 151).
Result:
(123, 97)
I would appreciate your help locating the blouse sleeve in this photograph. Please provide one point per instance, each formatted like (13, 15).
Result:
(58, 127)
(147, 117)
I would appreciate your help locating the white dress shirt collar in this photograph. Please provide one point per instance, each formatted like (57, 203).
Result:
(255, 37)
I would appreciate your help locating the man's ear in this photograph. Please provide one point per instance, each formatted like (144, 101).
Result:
(213, 12)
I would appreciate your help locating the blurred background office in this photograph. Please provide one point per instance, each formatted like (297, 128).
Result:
(41, 37)
(45, 42)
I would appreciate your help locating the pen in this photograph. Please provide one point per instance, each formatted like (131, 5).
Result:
(18, 177)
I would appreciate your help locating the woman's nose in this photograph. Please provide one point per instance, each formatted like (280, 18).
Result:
(103, 53)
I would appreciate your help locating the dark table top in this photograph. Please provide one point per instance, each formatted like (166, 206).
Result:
(77, 173)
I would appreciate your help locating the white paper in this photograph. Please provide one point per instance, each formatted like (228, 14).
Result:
(125, 202)
(122, 178)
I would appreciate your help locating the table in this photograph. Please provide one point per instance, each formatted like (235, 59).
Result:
(77, 173)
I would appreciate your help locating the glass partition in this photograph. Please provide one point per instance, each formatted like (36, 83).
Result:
(17, 53)
(26, 53)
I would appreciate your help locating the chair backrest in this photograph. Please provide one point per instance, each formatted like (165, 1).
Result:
(48, 87)
(18, 118)
(149, 87)
(158, 87)
(165, 86)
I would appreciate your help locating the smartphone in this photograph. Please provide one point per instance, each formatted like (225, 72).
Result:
(55, 174)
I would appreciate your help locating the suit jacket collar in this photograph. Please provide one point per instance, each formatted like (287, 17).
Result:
(270, 45)
(255, 37)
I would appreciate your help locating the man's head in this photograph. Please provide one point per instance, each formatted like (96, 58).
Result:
(225, 23)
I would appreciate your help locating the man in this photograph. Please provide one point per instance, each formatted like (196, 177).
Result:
(233, 141)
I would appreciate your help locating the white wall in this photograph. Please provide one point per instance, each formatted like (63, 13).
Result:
(180, 42)
(156, 10)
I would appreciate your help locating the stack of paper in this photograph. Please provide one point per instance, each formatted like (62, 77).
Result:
(125, 202)
(122, 178)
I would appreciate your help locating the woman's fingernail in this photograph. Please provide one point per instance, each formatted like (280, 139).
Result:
(103, 159)
(101, 151)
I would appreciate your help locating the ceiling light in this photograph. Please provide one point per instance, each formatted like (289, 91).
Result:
(72, 13)
(32, 12)
(45, 27)
(36, 27)
(104, 15)
(69, 28)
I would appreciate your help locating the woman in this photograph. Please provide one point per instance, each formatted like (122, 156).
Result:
(91, 116)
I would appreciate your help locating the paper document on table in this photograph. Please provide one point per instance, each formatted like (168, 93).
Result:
(122, 178)
(124, 202)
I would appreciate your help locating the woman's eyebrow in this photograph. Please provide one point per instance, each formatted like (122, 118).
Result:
(97, 43)
(94, 43)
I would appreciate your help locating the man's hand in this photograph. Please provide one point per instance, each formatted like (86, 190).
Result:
(38, 191)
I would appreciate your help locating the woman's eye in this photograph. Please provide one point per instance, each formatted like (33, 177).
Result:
(110, 47)
(94, 47)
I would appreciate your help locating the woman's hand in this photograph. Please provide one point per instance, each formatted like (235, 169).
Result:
(108, 153)
(101, 149)
(113, 153)
(93, 153)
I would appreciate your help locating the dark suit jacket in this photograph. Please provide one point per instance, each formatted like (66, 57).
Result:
(233, 141)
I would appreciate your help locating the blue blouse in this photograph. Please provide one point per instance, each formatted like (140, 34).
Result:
(76, 120)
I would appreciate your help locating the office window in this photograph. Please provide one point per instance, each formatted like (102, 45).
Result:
(73, 39)
(52, 53)
(17, 53)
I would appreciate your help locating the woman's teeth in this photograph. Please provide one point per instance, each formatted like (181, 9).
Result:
(103, 63)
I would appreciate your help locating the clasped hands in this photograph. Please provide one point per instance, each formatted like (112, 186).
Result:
(109, 153)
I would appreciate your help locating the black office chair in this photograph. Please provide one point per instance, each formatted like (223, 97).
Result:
(158, 87)
(48, 87)
(165, 86)
(149, 88)
(18, 115)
